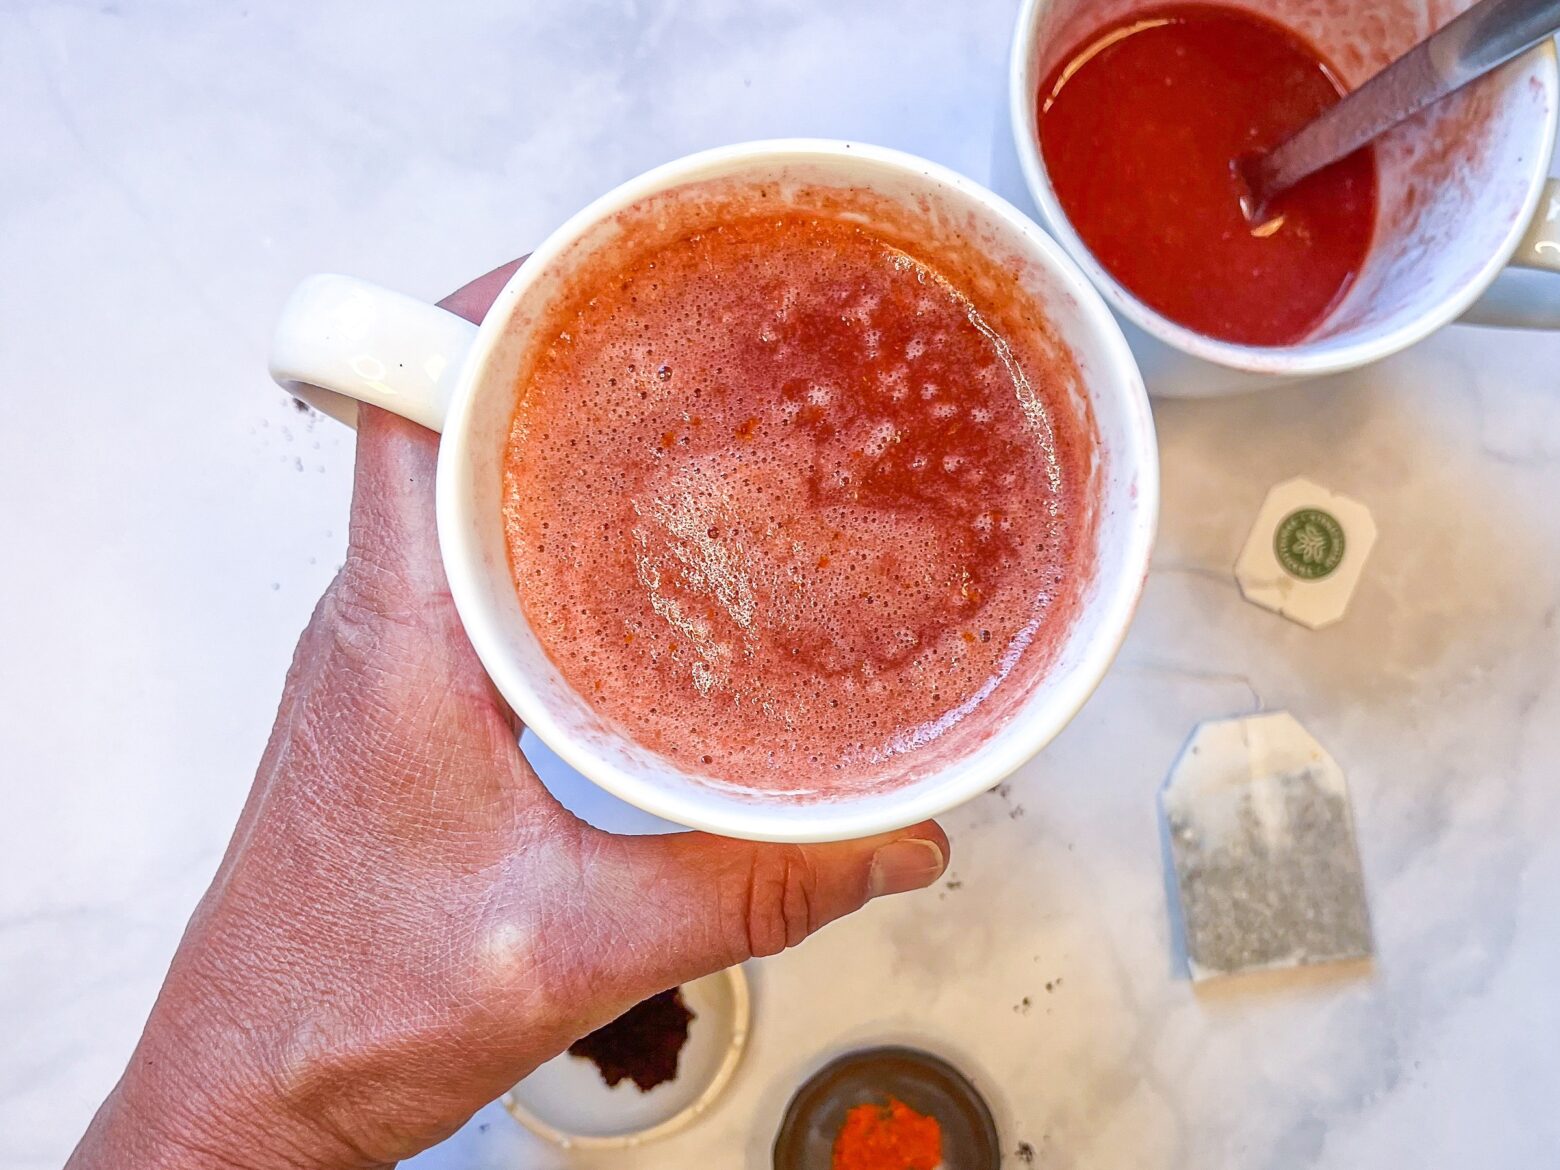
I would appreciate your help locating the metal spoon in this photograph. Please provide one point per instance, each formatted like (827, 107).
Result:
(1486, 35)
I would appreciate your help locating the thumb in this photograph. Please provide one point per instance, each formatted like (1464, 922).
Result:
(703, 903)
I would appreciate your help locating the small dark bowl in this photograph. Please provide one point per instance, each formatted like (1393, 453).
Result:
(926, 1083)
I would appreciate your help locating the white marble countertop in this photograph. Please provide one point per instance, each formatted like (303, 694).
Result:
(171, 168)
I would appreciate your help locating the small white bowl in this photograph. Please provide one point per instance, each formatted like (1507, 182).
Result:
(567, 1102)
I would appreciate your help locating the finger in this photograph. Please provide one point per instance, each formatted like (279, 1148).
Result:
(394, 613)
(393, 542)
(393, 531)
(394, 568)
(473, 300)
(394, 575)
(693, 903)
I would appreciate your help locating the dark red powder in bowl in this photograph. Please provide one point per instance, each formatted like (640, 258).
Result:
(641, 1045)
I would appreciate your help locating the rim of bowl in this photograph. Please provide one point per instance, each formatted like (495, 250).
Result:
(1297, 360)
(755, 818)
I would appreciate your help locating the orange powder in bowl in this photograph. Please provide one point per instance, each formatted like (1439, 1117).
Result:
(888, 1137)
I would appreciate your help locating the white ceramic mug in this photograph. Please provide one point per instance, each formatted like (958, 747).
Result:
(1463, 192)
(340, 339)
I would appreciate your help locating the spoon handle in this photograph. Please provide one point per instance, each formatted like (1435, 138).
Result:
(1486, 35)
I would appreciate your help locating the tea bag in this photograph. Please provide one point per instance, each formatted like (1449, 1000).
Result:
(1262, 842)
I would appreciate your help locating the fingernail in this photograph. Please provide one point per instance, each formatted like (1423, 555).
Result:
(906, 865)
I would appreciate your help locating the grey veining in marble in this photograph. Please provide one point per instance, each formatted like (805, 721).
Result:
(172, 168)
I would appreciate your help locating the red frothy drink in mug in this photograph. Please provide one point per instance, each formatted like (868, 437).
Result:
(788, 495)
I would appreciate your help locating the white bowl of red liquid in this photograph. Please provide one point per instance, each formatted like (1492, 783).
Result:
(1127, 113)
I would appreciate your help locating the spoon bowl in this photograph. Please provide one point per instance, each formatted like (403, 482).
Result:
(1484, 37)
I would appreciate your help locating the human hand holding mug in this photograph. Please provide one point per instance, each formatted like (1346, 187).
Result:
(406, 922)
(889, 578)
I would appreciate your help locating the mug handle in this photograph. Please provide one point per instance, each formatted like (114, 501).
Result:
(341, 341)
(1518, 299)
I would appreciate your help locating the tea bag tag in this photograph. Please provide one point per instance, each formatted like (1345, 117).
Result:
(1305, 553)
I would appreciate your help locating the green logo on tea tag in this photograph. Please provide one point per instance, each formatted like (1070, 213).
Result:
(1309, 544)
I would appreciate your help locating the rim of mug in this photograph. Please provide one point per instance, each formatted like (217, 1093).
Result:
(1306, 358)
(753, 817)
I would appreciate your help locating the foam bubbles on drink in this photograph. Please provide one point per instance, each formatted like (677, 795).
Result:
(778, 498)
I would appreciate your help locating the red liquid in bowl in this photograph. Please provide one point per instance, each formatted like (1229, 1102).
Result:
(1139, 127)
(789, 505)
